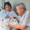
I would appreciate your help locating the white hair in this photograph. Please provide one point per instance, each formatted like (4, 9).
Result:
(21, 5)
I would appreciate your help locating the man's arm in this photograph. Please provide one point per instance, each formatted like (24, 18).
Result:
(18, 27)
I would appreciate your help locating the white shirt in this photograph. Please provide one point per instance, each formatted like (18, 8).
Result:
(25, 19)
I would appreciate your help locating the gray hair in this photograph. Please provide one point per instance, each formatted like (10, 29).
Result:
(21, 5)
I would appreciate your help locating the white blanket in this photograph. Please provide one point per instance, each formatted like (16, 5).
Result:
(5, 22)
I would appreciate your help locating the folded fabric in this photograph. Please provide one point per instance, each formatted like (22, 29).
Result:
(4, 15)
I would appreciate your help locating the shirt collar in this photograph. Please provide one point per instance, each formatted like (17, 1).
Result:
(23, 13)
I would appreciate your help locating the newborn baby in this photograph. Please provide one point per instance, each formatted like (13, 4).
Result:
(13, 21)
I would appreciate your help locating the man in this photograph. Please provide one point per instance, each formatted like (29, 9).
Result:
(24, 21)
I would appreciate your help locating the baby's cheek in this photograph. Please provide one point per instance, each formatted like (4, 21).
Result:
(14, 20)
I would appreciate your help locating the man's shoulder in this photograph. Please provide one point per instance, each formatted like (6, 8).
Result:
(27, 12)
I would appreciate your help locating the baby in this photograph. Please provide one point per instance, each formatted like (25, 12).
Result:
(14, 22)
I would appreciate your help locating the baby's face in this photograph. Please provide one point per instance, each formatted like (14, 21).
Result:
(7, 16)
(14, 20)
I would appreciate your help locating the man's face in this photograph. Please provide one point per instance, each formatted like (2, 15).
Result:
(19, 10)
(7, 7)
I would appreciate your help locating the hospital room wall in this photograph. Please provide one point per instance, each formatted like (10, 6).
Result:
(0, 3)
(15, 2)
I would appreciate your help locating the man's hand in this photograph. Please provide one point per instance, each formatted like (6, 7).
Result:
(10, 26)
(18, 27)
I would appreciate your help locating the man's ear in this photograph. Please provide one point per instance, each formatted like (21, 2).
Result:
(22, 9)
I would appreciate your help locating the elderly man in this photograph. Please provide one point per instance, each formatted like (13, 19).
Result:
(24, 21)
